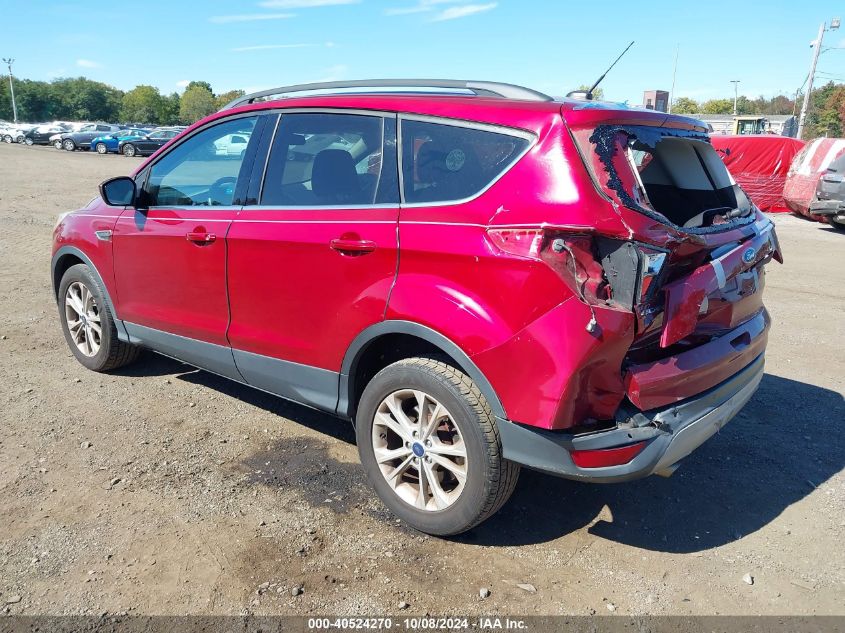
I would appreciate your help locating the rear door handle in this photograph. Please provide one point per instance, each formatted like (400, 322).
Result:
(200, 237)
(353, 246)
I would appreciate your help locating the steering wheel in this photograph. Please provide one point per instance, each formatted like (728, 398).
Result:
(222, 190)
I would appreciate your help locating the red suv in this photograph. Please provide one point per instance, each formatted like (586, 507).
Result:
(479, 276)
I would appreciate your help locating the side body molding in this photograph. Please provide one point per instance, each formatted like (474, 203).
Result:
(364, 339)
(64, 251)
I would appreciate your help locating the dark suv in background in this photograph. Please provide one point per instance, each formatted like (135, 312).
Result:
(830, 195)
(81, 139)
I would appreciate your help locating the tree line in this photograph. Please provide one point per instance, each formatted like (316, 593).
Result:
(826, 116)
(81, 99)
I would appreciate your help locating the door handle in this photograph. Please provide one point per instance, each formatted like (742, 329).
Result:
(353, 246)
(199, 237)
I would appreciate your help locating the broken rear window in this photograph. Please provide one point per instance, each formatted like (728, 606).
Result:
(668, 174)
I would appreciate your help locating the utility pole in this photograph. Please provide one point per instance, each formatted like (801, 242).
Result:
(817, 45)
(735, 82)
(9, 61)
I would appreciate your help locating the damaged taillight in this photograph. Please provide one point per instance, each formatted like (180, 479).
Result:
(569, 254)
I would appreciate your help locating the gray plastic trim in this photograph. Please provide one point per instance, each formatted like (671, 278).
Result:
(345, 408)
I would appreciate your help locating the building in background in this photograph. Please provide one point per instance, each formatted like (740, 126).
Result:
(656, 100)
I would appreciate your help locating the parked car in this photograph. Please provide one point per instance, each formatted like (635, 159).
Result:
(15, 133)
(830, 195)
(580, 288)
(111, 142)
(40, 135)
(146, 145)
(231, 145)
(82, 138)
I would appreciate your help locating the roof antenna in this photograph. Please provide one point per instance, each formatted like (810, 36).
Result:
(588, 95)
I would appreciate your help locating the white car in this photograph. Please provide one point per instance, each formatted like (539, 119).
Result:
(15, 133)
(231, 145)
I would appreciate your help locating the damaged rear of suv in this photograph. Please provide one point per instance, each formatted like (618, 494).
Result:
(480, 277)
(675, 272)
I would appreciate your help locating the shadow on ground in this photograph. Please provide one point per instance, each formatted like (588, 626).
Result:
(788, 440)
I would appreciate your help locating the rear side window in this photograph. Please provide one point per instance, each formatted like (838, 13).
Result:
(326, 159)
(443, 163)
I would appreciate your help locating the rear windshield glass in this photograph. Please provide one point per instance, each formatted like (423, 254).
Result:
(667, 173)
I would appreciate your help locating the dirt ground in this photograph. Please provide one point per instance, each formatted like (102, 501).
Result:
(163, 490)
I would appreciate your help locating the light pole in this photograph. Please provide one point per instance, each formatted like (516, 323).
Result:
(817, 45)
(735, 82)
(9, 61)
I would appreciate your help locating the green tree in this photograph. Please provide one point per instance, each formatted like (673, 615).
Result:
(196, 102)
(82, 99)
(222, 99)
(199, 84)
(718, 106)
(598, 93)
(685, 105)
(142, 104)
(168, 113)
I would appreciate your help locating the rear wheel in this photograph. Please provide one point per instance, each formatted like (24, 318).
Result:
(129, 150)
(57, 144)
(7, 138)
(88, 324)
(101, 148)
(69, 145)
(430, 447)
(20, 139)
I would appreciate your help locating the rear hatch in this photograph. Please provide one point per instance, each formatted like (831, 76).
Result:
(692, 268)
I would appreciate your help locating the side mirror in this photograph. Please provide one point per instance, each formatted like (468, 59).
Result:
(118, 192)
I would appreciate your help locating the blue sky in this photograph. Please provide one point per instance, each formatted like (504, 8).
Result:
(547, 45)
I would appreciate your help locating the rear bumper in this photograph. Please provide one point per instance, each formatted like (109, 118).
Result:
(669, 434)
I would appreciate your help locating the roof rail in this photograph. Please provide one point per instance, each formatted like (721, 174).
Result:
(479, 88)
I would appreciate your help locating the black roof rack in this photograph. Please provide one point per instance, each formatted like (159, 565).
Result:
(478, 88)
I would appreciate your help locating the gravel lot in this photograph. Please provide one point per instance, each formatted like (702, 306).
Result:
(163, 490)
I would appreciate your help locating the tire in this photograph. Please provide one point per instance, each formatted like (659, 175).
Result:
(839, 226)
(68, 145)
(129, 150)
(101, 148)
(7, 138)
(98, 353)
(57, 144)
(20, 139)
(489, 479)
(29, 141)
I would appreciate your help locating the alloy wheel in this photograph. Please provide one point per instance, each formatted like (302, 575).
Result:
(83, 318)
(419, 450)
(101, 148)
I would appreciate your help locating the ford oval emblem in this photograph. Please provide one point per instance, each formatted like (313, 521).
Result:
(748, 255)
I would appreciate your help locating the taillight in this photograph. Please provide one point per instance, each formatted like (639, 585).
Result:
(569, 254)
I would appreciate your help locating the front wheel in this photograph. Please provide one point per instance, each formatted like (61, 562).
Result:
(88, 324)
(7, 138)
(29, 141)
(129, 150)
(69, 145)
(430, 447)
(57, 144)
(101, 148)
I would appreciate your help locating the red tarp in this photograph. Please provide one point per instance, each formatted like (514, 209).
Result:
(807, 168)
(760, 165)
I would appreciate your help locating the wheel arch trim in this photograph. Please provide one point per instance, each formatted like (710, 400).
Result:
(359, 345)
(73, 251)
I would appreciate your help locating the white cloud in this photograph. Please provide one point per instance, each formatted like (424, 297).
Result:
(452, 13)
(449, 13)
(267, 47)
(183, 83)
(303, 4)
(87, 63)
(249, 17)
